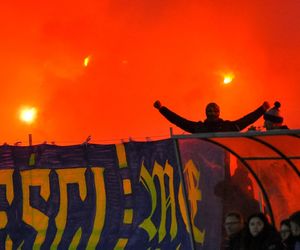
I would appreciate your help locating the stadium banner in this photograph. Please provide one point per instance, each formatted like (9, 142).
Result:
(123, 196)
(204, 166)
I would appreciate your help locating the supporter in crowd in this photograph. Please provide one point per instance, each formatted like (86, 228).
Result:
(295, 228)
(259, 234)
(273, 118)
(233, 226)
(213, 122)
(286, 235)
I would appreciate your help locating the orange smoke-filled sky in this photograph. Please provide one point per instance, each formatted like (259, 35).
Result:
(175, 51)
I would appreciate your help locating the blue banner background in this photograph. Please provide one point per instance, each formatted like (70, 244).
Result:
(81, 213)
(209, 159)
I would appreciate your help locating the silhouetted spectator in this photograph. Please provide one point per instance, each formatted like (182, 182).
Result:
(286, 235)
(213, 123)
(273, 119)
(237, 192)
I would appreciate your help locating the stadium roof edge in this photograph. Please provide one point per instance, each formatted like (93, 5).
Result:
(294, 132)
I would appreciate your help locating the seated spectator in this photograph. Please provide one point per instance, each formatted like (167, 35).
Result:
(286, 235)
(295, 228)
(259, 234)
(233, 226)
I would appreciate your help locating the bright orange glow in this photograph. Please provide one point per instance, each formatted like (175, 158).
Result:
(228, 78)
(28, 115)
(86, 61)
(96, 69)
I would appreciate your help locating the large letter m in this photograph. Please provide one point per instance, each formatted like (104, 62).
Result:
(167, 201)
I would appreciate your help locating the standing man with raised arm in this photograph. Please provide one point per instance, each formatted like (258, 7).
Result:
(213, 123)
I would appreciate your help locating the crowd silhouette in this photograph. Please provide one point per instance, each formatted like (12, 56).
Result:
(257, 233)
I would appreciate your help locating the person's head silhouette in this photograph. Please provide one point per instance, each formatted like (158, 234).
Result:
(212, 111)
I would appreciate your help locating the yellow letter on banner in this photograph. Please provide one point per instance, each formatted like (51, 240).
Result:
(67, 176)
(32, 216)
(148, 182)
(166, 201)
(6, 178)
(183, 208)
(192, 177)
(77, 175)
(100, 208)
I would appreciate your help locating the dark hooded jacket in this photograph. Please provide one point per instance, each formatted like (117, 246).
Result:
(295, 217)
(289, 243)
(234, 242)
(211, 126)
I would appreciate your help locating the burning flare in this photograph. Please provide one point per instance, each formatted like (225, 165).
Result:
(86, 61)
(228, 78)
(28, 115)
